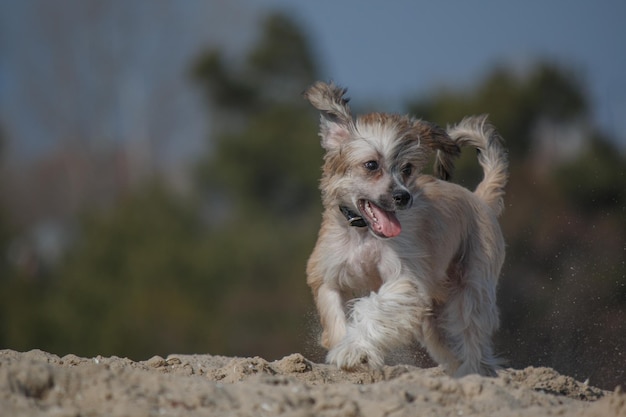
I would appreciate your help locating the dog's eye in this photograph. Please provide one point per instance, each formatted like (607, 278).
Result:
(407, 170)
(371, 165)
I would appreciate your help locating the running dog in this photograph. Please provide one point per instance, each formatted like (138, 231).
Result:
(401, 255)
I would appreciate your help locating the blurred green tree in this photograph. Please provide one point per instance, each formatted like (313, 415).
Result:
(221, 272)
(515, 104)
(259, 184)
(596, 179)
(138, 282)
(4, 227)
(10, 287)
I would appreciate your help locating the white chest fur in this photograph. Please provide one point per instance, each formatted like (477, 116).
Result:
(360, 263)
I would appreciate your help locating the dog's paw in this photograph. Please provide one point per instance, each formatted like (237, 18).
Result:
(352, 356)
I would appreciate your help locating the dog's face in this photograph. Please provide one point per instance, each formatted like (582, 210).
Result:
(371, 163)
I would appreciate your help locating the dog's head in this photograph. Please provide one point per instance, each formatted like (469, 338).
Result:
(371, 163)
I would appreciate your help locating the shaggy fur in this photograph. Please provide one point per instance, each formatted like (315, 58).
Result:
(425, 263)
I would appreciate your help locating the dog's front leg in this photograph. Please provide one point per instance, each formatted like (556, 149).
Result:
(332, 316)
(378, 323)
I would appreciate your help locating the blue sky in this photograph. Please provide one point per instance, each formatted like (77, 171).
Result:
(393, 50)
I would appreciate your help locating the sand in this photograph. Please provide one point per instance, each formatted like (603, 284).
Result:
(37, 383)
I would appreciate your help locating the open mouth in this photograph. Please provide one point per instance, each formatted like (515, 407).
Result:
(382, 222)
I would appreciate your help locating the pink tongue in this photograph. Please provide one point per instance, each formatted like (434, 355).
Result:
(387, 224)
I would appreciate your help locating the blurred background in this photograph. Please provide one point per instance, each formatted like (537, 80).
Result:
(159, 168)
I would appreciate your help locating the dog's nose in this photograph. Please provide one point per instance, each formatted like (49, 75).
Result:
(402, 199)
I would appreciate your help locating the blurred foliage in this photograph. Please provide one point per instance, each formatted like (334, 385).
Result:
(514, 104)
(4, 227)
(223, 271)
(5, 240)
(258, 185)
(273, 71)
(596, 179)
(132, 277)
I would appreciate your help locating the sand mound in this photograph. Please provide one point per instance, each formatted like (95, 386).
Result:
(37, 383)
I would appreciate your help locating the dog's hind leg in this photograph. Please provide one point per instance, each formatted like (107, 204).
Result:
(431, 337)
(379, 323)
(469, 320)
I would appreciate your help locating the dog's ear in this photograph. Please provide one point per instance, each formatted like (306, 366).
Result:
(437, 139)
(336, 119)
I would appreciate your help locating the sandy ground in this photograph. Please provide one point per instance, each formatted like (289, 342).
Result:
(37, 383)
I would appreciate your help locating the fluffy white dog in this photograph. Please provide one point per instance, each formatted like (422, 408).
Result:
(404, 256)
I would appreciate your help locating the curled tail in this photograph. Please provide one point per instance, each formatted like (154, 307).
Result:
(477, 132)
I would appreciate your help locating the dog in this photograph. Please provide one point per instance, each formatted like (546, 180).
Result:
(402, 256)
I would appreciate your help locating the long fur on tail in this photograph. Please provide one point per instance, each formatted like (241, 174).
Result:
(475, 131)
